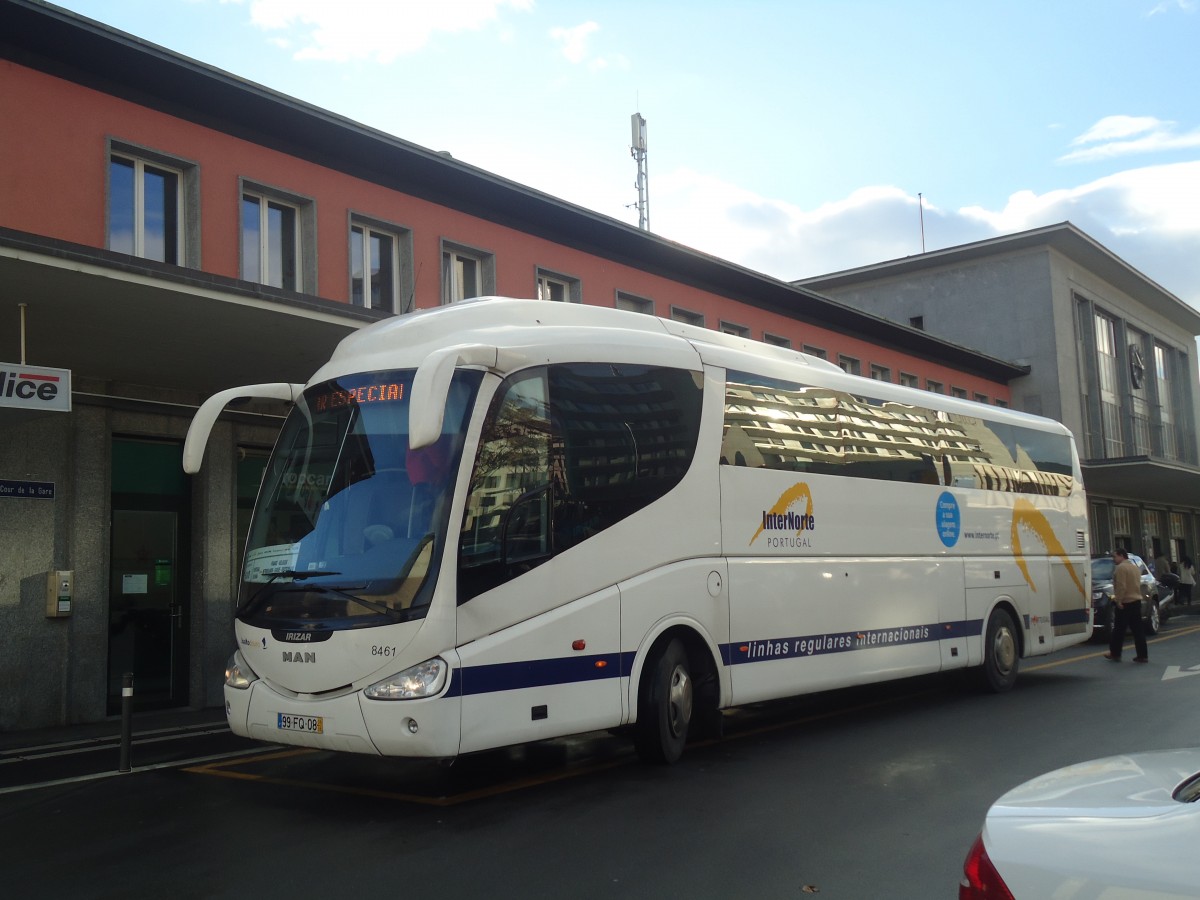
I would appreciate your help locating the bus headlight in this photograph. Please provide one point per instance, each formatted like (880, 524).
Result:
(422, 680)
(237, 673)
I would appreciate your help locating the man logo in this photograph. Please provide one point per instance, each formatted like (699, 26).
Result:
(299, 656)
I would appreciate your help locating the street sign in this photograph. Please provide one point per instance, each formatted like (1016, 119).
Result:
(35, 387)
(27, 490)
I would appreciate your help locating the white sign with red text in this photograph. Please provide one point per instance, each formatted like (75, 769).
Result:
(35, 387)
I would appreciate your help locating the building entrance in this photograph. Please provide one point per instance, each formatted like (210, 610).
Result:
(148, 600)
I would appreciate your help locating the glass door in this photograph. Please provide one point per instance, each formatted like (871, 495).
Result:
(148, 581)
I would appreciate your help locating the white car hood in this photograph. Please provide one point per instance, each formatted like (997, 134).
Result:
(1114, 787)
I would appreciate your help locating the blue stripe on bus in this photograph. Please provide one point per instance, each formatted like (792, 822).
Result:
(511, 676)
(533, 673)
(1069, 617)
(767, 649)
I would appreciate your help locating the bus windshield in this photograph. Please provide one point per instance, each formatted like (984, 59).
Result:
(351, 520)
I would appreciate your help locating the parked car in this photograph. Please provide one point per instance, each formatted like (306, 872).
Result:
(1125, 826)
(1104, 610)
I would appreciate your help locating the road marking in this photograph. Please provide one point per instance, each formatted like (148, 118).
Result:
(97, 776)
(1180, 672)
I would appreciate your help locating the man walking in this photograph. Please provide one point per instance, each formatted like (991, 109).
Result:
(1127, 595)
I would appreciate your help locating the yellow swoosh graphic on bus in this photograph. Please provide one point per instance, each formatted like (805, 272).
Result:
(1025, 514)
(798, 491)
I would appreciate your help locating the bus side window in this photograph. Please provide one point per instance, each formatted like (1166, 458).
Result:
(512, 461)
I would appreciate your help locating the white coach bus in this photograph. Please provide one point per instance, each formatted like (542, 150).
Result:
(510, 520)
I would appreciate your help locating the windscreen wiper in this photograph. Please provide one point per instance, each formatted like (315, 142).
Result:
(297, 576)
(374, 605)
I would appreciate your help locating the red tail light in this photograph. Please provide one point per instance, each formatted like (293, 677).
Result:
(980, 879)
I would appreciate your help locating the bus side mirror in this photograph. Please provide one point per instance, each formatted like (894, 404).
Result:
(431, 386)
(206, 416)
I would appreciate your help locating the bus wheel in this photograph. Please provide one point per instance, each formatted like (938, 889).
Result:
(1001, 652)
(665, 701)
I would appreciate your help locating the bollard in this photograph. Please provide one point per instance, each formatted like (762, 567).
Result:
(126, 721)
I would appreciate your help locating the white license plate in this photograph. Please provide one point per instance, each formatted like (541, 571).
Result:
(307, 724)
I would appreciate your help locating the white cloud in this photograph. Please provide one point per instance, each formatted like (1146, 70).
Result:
(1145, 216)
(574, 41)
(1113, 127)
(1115, 136)
(372, 29)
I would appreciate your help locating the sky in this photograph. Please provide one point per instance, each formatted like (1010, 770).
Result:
(793, 137)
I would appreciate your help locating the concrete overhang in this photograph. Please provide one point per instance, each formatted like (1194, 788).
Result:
(119, 320)
(1143, 480)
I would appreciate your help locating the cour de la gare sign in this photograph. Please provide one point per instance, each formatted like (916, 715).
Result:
(35, 387)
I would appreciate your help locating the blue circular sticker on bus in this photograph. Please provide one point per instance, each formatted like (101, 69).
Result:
(948, 519)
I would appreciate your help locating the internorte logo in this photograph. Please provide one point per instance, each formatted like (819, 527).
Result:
(785, 516)
(1026, 517)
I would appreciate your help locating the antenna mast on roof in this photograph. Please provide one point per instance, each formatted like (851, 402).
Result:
(638, 152)
(921, 204)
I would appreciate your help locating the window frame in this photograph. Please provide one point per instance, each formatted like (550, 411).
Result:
(451, 290)
(187, 200)
(849, 364)
(881, 373)
(777, 340)
(732, 328)
(818, 352)
(634, 303)
(571, 286)
(403, 288)
(304, 235)
(687, 316)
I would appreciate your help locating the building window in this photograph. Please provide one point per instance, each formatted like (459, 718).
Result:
(559, 288)
(849, 364)
(278, 235)
(909, 380)
(633, 303)
(687, 316)
(1108, 370)
(980, 398)
(960, 393)
(738, 330)
(153, 205)
(814, 351)
(999, 402)
(1166, 415)
(917, 322)
(380, 266)
(881, 373)
(934, 386)
(466, 273)
(776, 340)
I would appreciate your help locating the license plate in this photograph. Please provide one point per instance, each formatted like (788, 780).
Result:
(307, 724)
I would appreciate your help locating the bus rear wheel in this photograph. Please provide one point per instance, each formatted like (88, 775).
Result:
(665, 703)
(1001, 652)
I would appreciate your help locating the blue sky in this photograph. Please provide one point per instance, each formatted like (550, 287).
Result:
(789, 136)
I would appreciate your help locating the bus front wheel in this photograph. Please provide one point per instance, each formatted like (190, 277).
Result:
(665, 704)
(1001, 652)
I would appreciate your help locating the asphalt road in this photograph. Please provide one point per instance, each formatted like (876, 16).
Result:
(867, 793)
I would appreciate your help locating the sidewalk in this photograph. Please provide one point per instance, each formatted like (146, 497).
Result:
(109, 730)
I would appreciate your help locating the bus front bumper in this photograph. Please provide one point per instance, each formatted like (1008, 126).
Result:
(349, 723)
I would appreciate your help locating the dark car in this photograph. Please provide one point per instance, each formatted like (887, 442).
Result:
(1103, 608)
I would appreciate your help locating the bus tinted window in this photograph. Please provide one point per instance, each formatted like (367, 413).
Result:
(800, 428)
(566, 452)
